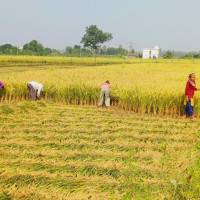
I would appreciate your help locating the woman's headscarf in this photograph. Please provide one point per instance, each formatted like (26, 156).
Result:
(192, 82)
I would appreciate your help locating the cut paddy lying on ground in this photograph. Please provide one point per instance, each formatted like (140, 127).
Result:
(54, 151)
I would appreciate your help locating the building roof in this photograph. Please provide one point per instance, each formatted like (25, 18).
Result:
(153, 48)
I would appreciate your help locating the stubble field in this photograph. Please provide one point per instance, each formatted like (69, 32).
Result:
(66, 152)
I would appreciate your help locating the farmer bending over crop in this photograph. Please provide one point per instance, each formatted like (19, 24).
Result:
(105, 91)
(34, 89)
(189, 94)
(2, 85)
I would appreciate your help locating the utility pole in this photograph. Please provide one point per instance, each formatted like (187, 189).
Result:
(130, 47)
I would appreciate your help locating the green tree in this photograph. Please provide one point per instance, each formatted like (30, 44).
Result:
(78, 47)
(47, 51)
(69, 49)
(169, 54)
(34, 47)
(197, 55)
(94, 37)
(8, 49)
(189, 55)
(116, 51)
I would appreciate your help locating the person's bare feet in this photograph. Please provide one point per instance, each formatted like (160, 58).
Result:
(185, 116)
(193, 118)
(108, 107)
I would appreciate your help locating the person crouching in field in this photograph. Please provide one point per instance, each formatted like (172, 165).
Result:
(34, 89)
(105, 91)
(2, 85)
(189, 96)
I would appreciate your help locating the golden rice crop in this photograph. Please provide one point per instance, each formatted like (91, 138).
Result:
(156, 87)
(51, 60)
(84, 61)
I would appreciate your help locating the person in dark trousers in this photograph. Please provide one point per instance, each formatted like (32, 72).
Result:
(105, 91)
(189, 96)
(34, 89)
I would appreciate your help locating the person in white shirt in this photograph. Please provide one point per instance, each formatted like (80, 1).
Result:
(34, 89)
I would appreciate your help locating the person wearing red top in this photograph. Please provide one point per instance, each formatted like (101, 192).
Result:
(105, 91)
(189, 96)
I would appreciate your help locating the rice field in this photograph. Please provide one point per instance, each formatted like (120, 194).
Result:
(153, 88)
(64, 147)
(11, 60)
(54, 151)
(52, 60)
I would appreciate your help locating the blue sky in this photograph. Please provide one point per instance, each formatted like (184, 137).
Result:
(171, 24)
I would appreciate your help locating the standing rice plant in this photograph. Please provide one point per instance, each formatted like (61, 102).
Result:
(156, 88)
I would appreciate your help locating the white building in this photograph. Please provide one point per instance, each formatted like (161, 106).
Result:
(20, 48)
(150, 53)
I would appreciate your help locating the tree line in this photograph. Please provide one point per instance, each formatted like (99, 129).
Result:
(32, 48)
(77, 50)
(92, 42)
(183, 55)
(37, 49)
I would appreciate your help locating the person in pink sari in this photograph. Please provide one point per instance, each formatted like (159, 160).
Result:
(105, 91)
